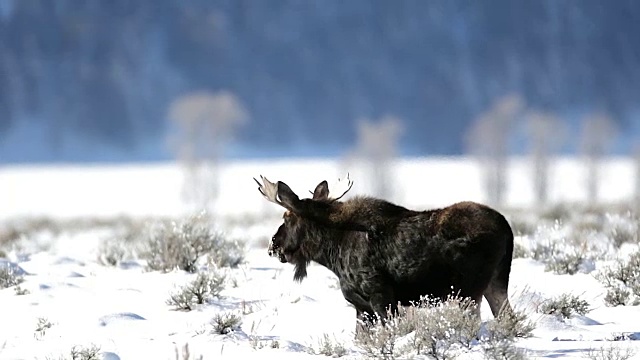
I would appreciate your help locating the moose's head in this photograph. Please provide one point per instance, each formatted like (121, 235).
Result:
(292, 241)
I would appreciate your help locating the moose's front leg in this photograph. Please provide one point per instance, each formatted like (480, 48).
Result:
(381, 296)
(368, 311)
(371, 297)
(364, 314)
(383, 303)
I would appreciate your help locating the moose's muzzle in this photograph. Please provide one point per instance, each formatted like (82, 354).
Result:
(272, 249)
(276, 251)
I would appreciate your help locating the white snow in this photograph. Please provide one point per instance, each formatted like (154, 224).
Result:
(123, 310)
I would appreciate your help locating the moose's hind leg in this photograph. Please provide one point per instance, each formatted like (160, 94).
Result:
(497, 291)
(497, 297)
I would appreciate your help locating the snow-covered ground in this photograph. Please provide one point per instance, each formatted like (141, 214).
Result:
(123, 309)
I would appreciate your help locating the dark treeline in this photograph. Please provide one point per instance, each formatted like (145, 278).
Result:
(305, 70)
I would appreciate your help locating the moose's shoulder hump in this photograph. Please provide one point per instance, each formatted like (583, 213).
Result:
(360, 199)
(371, 202)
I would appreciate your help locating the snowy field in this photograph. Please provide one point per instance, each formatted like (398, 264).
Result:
(75, 235)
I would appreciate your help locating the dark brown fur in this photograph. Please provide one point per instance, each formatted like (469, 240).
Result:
(383, 253)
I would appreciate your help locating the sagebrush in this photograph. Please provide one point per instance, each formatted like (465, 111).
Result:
(564, 306)
(205, 286)
(612, 351)
(622, 281)
(79, 352)
(225, 323)
(329, 346)
(42, 326)
(85, 353)
(440, 330)
(112, 252)
(9, 277)
(181, 244)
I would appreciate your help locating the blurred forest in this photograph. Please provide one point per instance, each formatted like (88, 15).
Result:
(95, 80)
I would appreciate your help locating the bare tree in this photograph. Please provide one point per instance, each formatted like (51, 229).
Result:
(598, 133)
(205, 123)
(546, 133)
(375, 150)
(488, 139)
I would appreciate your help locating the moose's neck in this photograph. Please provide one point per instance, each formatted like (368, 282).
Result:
(329, 248)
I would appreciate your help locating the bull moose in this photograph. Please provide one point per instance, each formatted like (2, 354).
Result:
(384, 254)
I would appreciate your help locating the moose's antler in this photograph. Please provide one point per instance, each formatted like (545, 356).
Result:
(342, 188)
(269, 190)
(322, 191)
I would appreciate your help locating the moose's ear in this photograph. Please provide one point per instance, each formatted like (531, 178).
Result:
(287, 197)
(322, 191)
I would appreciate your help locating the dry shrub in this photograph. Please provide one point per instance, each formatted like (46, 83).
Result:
(9, 277)
(440, 330)
(180, 245)
(225, 323)
(205, 286)
(329, 346)
(564, 306)
(622, 281)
